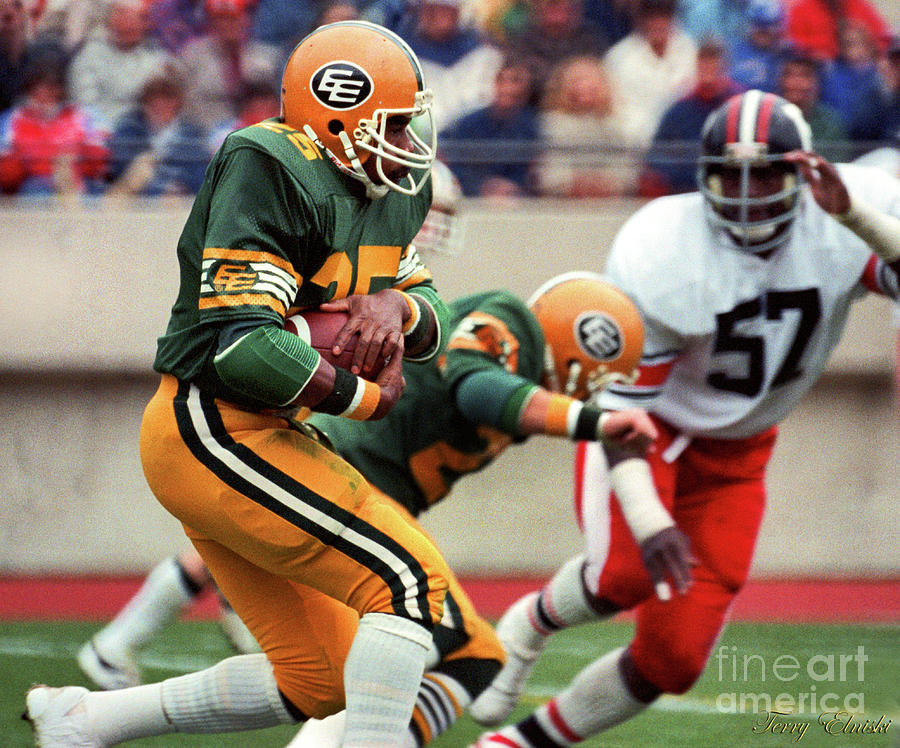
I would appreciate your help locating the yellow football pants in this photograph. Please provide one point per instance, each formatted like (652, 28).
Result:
(296, 539)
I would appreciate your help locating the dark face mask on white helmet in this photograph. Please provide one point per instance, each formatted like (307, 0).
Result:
(751, 191)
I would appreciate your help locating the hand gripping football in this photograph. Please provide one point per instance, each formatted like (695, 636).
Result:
(319, 329)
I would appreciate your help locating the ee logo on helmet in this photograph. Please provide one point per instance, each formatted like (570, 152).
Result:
(341, 85)
(598, 336)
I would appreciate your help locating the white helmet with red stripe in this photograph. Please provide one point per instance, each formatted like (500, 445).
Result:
(751, 191)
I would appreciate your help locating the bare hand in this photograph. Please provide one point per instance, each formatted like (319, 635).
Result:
(392, 383)
(667, 557)
(631, 430)
(378, 321)
(824, 181)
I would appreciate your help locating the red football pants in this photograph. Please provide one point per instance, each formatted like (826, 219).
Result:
(715, 491)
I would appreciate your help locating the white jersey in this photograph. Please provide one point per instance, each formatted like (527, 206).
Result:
(886, 159)
(734, 341)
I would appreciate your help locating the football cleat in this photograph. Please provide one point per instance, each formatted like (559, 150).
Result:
(108, 670)
(58, 717)
(498, 700)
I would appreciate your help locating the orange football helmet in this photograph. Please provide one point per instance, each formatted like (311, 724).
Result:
(593, 333)
(341, 84)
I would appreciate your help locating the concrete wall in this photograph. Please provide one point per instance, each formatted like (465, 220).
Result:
(86, 290)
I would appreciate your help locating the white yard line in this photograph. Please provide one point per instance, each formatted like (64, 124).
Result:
(41, 648)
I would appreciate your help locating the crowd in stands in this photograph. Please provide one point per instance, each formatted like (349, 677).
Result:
(577, 98)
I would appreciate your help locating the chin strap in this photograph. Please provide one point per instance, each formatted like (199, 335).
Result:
(356, 171)
(601, 379)
(597, 381)
(550, 370)
(373, 191)
(572, 380)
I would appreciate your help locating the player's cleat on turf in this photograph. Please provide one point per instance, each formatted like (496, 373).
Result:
(58, 718)
(321, 733)
(108, 670)
(236, 631)
(497, 701)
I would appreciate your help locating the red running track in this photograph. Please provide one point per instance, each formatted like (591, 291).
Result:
(833, 601)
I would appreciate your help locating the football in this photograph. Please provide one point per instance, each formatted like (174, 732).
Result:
(319, 329)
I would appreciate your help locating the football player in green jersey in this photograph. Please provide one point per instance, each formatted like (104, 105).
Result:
(510, 370)
(108, 659)
(317, 207)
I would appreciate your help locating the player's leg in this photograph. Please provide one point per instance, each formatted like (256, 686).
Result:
(307, 635)
(467, 655)
(108, 658)
(721, 513)
(236, 694)
(298, 512)
(720, 508)
(385, 665)
(597, 698)
(671, 643)
(444, 693)
(470, 657)
(573, 596)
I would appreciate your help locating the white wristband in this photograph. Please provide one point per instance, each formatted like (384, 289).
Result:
(633, 483)
(881, 231)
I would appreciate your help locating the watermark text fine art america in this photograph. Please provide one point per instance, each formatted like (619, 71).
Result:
(808, 675)
(790, 694)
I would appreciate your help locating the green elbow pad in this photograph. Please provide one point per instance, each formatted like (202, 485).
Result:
(268, 364)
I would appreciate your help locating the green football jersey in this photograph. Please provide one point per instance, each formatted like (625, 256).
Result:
(276, 227)
(425, 444)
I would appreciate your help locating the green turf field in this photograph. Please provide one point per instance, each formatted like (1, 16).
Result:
(799, 662)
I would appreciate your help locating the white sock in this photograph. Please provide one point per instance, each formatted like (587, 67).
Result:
(381, 678)
(239, 693)
(160, 598)
(561, 603)
(594, 701)
(440, 702)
